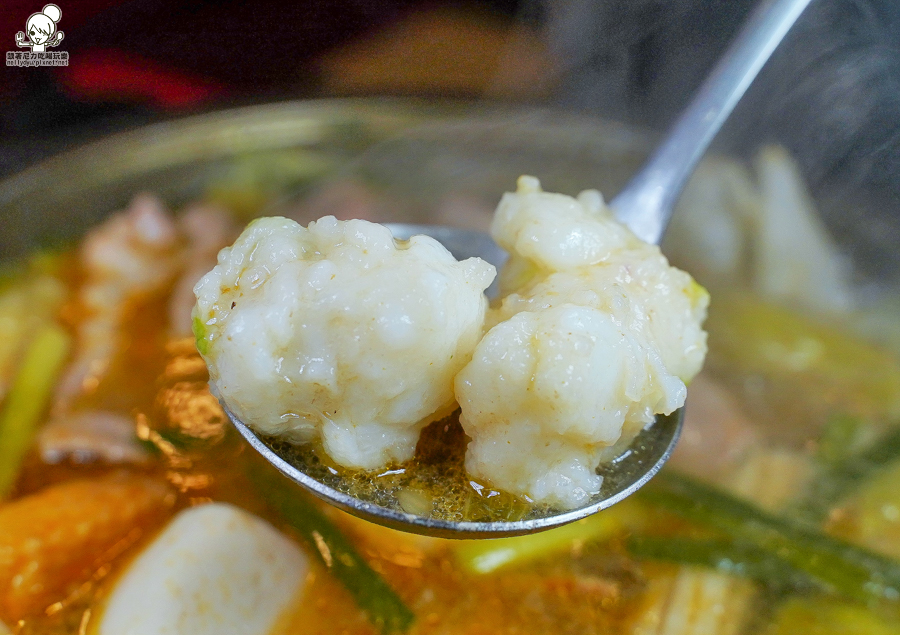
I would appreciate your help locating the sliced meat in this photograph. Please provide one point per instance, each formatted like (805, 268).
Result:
(134, 252)
(716, 435)
(88, 436)
(207, 230)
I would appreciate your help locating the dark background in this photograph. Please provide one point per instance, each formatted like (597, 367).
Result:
(830, 94)
(134, 61)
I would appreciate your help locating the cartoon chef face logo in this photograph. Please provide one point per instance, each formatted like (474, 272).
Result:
(40, 30)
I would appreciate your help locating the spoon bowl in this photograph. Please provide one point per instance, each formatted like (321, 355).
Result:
(622, 476)
(645, 205)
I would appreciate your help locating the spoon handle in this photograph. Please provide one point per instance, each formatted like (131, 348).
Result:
(646, 203)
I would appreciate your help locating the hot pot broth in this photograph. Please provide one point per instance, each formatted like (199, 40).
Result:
(777, 514)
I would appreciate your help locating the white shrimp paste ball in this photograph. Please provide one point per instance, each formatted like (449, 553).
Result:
(337, 331)
(596, 334)
(545, 232)
(660, 305)
(548, 391)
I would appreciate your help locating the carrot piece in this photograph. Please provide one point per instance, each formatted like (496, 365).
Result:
(54, 540)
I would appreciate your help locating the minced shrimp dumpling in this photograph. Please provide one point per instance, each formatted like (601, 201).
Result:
(595, 335)
(338, 332)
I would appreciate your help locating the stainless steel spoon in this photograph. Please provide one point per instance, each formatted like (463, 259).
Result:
(645, 205)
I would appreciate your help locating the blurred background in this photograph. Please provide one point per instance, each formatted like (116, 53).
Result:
(830, 94)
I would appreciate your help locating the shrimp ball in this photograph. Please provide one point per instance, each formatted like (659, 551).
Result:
(336, 332)
(545, 232)
(595, 335)
(661, 305)
(547, 391)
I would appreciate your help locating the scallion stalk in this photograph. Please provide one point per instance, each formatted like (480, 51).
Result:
(843, 477)
(724, 556)
(372, 593)
(28, 398)
(487, 556)
(835, 564)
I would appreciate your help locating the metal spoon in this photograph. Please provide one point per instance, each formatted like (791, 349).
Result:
(645, 205)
